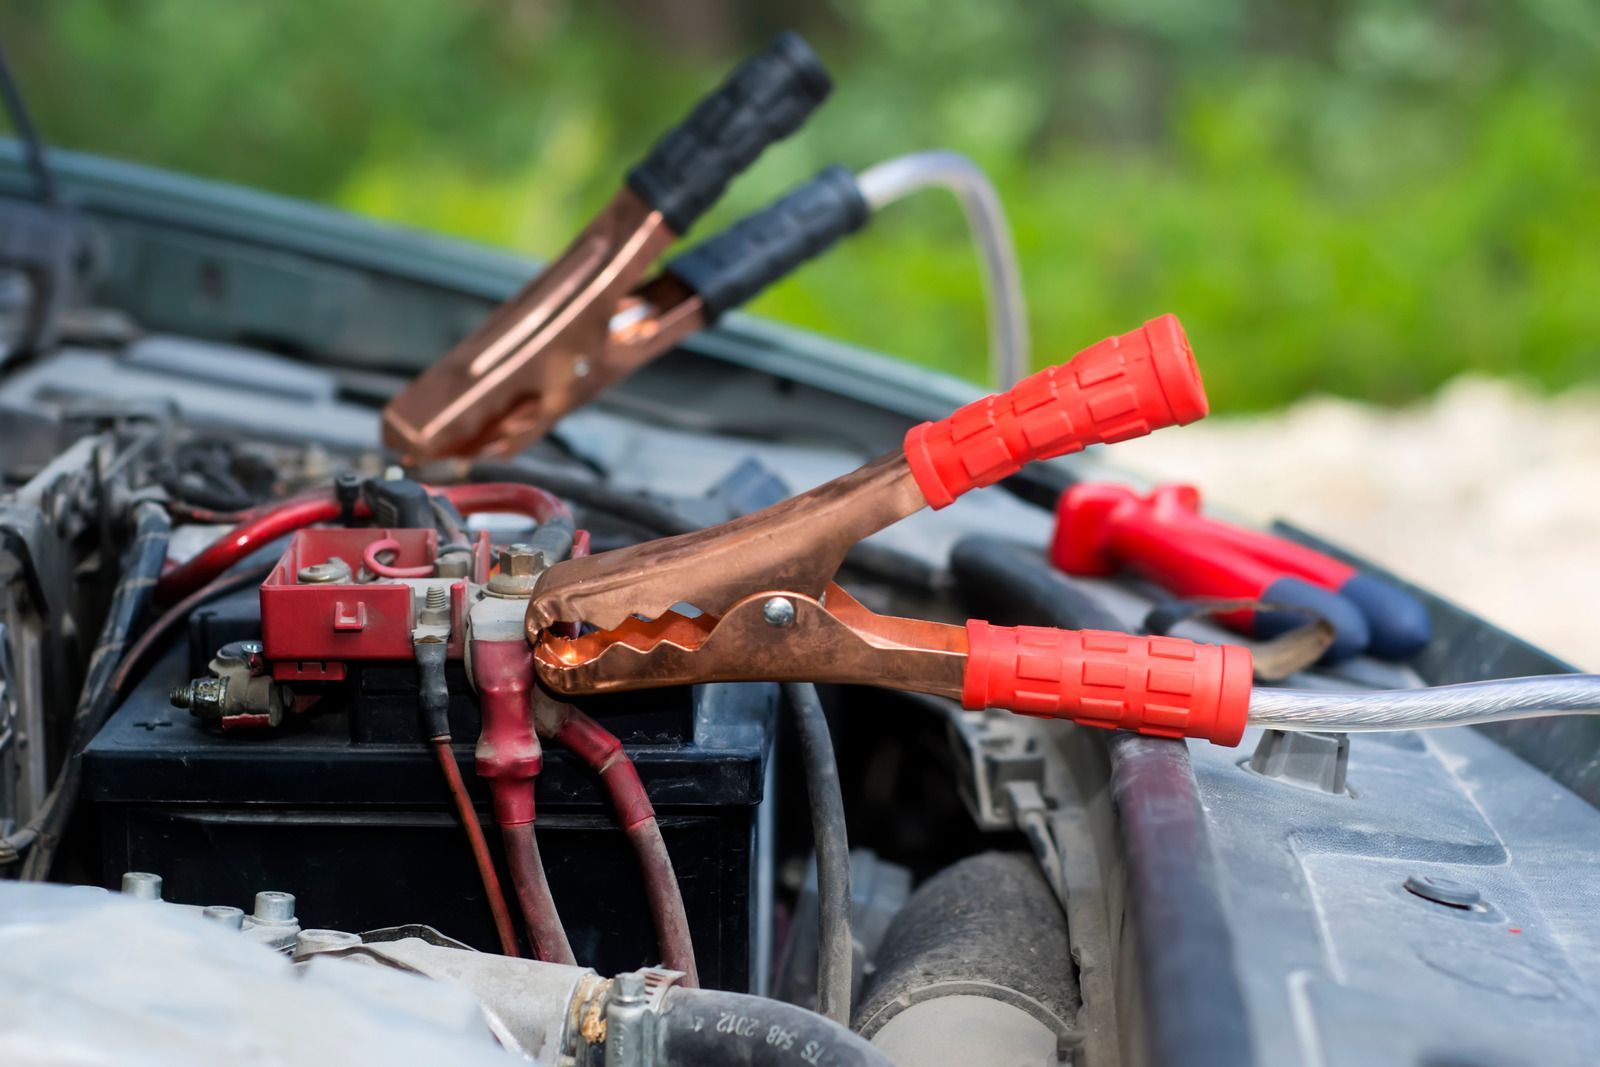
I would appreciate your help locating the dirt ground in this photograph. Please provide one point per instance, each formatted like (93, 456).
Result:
(1487, 494)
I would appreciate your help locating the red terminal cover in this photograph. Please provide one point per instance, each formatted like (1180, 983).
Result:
(508, 754)
(340, 621)
(1160, 686)
(1121, 388)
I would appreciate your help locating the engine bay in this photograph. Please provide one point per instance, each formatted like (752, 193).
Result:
(618, 689)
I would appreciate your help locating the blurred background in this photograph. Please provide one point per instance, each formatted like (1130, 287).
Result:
(1393, 203)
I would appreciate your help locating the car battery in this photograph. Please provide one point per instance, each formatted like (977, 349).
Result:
(344, 807)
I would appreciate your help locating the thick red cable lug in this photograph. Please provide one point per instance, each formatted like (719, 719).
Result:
(508, 753)
(1160, 686)
(1121, 388)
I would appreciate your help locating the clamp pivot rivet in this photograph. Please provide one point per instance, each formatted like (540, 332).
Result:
(778, 611)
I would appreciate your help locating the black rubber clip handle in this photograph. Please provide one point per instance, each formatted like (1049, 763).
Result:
(756, 251)
(764, 100)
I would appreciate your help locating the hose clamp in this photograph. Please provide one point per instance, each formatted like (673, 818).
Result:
(632, 1008)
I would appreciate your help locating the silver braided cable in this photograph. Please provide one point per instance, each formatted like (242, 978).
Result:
(1409, 709)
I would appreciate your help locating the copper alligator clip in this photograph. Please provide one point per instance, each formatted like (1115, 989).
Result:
(587, 321)
(768, 608)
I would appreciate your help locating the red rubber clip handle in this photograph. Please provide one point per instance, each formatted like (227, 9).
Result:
(1160, 686)
(1121, 388)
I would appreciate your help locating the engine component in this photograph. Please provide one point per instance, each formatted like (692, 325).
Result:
(976, 968)
(99, 975)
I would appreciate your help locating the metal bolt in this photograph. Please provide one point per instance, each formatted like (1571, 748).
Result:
(778, 611)
(203, 696)
(1446, 891)
(453, 563)
(274, 907)
(435, 606)
(250, 648)
(628, 988)
(226, 914)
(333, 571)
(142, 885)
(580, 367)
(520, 568)
(518, 559)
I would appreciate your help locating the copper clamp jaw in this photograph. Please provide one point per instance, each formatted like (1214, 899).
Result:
(764, 606)
(571, 332)
(591, 318)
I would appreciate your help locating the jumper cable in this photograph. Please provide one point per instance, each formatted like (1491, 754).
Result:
(768, 609)
(589, 318)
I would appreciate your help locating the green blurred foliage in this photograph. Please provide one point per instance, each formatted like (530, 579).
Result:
(1365, 197)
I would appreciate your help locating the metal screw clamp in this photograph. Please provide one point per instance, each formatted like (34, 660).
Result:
(631, 1012)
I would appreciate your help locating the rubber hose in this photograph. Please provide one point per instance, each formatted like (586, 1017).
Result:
(708, 1026)
(1010, 584)
(835, 946)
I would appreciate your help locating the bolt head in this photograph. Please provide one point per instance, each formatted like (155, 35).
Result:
(520, 560)
(274, 907)
(778, 611)
(520, 569)
(333, 571)
(142, 885)
(629, 988)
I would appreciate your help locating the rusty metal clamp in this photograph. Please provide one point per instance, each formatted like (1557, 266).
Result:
(767, 609)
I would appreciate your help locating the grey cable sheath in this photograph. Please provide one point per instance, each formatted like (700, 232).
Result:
(1445, 705)
(897, 178)
(835, 946)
